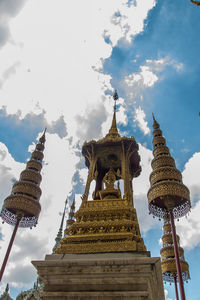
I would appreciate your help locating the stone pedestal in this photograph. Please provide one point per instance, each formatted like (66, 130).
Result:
(106, 276)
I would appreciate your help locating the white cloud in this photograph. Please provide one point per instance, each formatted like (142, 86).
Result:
(128, 20)
(191, 176)
(189, 228)
(160, 64)
(8, 10)
(147, 76)
(140, 119)
(60, 74)
(141, 186)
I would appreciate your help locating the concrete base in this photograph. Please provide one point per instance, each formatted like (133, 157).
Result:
(103, 276)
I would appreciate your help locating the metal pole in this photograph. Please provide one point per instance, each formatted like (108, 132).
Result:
(176, 288)
(9, 247)
(178, 265)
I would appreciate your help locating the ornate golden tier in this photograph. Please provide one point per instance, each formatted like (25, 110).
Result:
(168, 261)
(108, 225)
(25, 195)
(167, 190)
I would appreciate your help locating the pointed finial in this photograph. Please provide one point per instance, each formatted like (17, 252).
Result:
(73, 205)
(43, 138)
(113, 132)
(155, 123)
(115, 97)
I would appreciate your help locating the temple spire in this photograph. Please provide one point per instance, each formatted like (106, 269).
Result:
(113, 132)
(70, 219)
(166, 180)
(167, 196)
(26, 192)
(60, 231)
(22, 207)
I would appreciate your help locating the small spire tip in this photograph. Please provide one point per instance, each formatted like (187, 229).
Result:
(115, 95)
(43, 139)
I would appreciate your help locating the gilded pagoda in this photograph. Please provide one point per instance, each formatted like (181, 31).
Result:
(102, 254)
(108, 223)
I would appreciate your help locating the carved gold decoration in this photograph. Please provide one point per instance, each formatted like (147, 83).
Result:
(165, 173)
(28, 188)
(170, 266)
(23, 203)
(40, 147)
(35, 165)
(158, 140)
(168, 251)
(38, 155)
(100, 226)
(168, 188)
(168, 261)
(31, 175)
(162, 161)
(164, 150)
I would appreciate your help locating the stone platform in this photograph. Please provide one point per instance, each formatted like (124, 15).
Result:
(102, 276)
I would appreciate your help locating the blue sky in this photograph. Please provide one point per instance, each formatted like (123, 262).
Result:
(60, 64)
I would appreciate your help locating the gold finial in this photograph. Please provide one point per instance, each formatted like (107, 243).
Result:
(43, 138)
(113, 132)
(115, 97)
(155, 123)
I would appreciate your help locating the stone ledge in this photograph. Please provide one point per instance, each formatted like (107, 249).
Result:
(95, 295)
(98, 256)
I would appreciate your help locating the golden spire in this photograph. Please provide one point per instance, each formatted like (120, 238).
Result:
(168, 261)
(113, 132)
(25, 195)
(60, 231)
(167, 190)
(70, 220)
